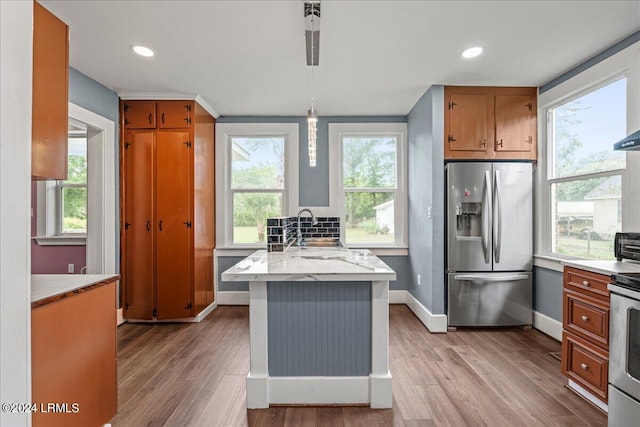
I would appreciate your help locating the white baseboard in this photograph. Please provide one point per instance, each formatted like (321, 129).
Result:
(319, 390)
(204, 313)
(435, 323)
(547, 325)
(397, 297)
(119, 317)
(233, 297)
(588, 395)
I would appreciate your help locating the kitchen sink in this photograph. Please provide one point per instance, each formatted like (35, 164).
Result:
(322, 242)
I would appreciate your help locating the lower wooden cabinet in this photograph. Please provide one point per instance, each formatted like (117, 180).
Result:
(73, 359)
(585, 335)
(586, 364)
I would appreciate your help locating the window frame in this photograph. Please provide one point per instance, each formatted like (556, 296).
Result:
(224, 192)
(587, 82)
(337, 132)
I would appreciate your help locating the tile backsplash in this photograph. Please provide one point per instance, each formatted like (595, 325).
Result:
(282, 231)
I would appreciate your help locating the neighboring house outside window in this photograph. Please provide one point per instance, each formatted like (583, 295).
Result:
(583, 186)
(368, 168)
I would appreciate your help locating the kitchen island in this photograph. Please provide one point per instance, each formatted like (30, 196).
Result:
(319, 327)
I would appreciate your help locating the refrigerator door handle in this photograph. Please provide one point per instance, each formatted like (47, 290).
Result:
(486, 202)
(497, 218)
(477, 277)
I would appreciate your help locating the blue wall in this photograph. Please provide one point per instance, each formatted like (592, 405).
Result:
(91, 95)
(547, 292)
(425, 125)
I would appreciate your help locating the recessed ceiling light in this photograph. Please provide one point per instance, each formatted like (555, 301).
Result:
(142, 50)
(472, 52)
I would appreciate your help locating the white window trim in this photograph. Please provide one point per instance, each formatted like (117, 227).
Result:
(625, 63)
(224, 203)
(101, 197)
(336, 132)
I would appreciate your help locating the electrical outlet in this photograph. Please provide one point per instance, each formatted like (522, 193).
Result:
(419, 280)
(70, 268)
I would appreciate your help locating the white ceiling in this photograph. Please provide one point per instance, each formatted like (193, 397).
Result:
(376, 57)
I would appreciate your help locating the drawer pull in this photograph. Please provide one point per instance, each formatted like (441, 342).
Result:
(585, 318)
(584, 366)
(585, 283)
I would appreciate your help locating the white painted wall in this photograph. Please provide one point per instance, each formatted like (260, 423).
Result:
(15, 206)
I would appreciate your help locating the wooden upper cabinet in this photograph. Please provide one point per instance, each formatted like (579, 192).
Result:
(468, 122)
(139, 114)
(50, 109)
(515, 123)
(174, 114)
(488, 123)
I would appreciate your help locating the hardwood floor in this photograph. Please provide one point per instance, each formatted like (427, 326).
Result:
(194, 375)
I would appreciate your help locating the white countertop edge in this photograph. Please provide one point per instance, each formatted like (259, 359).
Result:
(49, 285)
(318, 277)
(605, 267)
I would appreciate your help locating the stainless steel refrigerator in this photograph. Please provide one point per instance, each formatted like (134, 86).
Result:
(489, 244)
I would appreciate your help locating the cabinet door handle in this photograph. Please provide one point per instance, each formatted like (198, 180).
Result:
(499, 143)
(484, 143)
(585, 318)
(585, 283)
(162, 118)
(150, 118)
(160, 225)
(584, 366)
(148, 225)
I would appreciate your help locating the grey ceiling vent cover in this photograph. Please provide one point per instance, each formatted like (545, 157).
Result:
(312, 26)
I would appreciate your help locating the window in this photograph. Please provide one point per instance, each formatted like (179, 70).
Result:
(257, 184)
(71, 194)
(371, 182)
(255, 179)
(584, 175)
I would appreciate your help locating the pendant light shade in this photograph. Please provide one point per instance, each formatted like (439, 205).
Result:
(312, 129)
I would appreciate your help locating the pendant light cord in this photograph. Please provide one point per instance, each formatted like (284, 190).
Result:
(313, 15)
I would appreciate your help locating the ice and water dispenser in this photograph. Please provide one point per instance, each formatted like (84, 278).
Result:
(469, 219)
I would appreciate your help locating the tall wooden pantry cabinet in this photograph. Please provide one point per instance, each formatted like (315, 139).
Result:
(167, 209)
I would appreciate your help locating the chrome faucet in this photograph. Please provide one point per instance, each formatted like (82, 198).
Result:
(314, 221)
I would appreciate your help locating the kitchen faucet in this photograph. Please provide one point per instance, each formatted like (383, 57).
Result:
(314, 221)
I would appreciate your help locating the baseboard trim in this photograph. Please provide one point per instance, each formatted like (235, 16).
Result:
(435, 323)
(398, 297)
(119, 317)
(547, 325)
(574, 386)
(233, 297)
(204, 313)
(319, 390)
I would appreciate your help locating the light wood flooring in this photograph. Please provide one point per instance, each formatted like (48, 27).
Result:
(194, 375)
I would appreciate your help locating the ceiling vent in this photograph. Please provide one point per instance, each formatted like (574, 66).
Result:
(312, 30)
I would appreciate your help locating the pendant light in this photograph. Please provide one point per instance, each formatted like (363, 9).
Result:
(312, 9)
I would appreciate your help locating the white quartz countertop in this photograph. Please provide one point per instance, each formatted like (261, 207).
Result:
(310, 264)
(52, 286)
(604, 267)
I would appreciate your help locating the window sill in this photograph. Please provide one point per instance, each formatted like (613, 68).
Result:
(61, 240)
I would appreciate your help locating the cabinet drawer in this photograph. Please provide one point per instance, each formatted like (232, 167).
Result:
(587, 283)
(585, 364)
(586, 317)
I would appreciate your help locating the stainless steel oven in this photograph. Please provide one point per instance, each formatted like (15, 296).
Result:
(624, 343)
